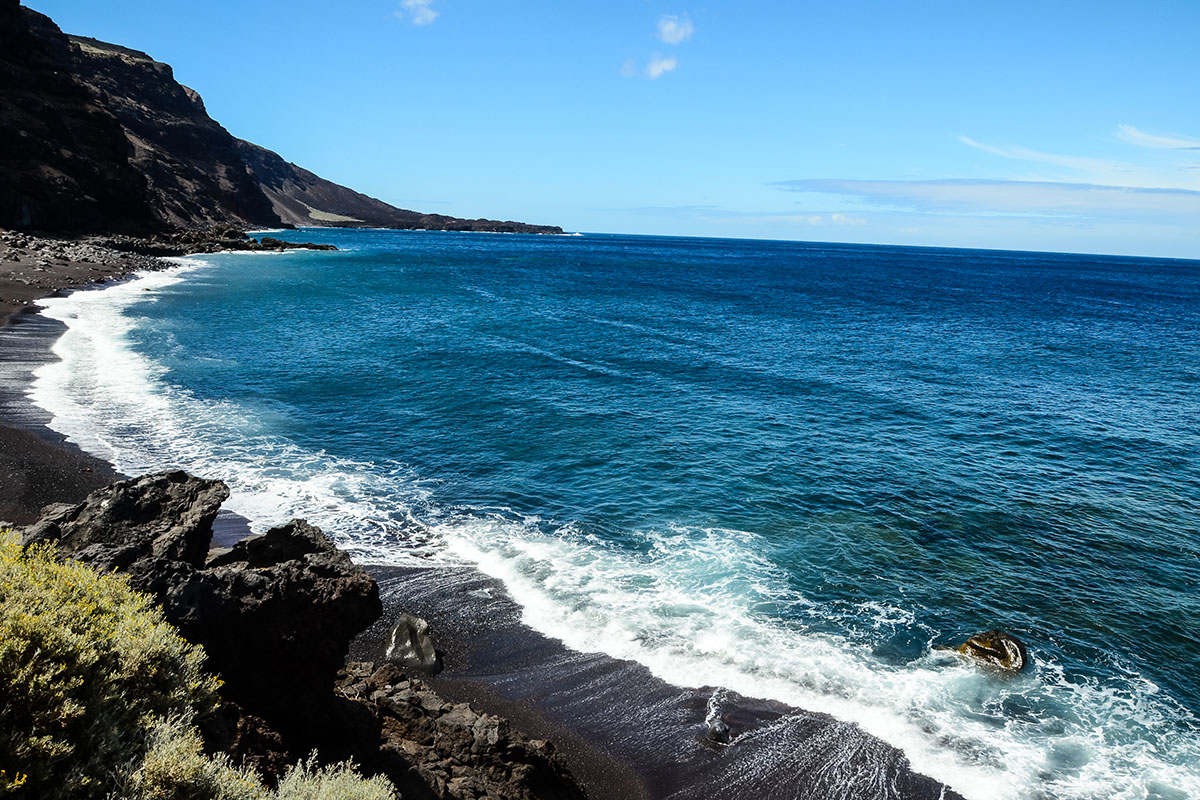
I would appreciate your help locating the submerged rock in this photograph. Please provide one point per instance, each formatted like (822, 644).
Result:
(995, 648)
(409, 645)
(714, 719)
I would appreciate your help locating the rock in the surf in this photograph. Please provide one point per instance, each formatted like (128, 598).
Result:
(998, 649)
(409, 645)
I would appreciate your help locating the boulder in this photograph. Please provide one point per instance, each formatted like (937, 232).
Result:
(162, 518)
(997, 649)
(409, 645)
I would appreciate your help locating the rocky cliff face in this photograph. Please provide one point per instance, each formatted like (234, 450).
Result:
(101, 138)
(65, 162)
(194, 176)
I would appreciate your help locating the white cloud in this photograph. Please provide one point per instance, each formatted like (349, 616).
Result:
(675, 30)
(659, 66)
(1134, 136)
(1050, 201)
(418, 12)
(814, 220)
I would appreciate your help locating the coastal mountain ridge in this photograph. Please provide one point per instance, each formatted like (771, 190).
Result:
(102, 138)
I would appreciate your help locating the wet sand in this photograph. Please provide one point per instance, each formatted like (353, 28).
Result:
(625, 733)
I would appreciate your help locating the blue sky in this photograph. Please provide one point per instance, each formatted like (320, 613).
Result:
(1045, 126)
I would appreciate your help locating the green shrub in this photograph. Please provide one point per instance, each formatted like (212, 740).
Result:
(307, 781)
(98, 694)
(88, 667)
(175, 768)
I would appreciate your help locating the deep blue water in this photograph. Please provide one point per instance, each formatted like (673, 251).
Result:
(787, 468)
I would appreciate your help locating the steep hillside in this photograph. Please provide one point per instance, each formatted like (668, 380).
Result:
(301, 198)
(101, 138)
(193, 172)
(65, 160)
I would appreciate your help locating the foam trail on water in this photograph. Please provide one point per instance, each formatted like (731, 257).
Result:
(691, 604)
(697, 606)
(115, 403)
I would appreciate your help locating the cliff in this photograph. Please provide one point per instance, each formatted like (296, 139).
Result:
(102, 138)
(66, 162)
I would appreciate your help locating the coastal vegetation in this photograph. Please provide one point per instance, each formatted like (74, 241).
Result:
(101, 695)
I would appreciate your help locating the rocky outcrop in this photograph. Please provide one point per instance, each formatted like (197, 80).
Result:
(149, 524)
(996, 649)
(275, 614)
(99, 137)
(213, 240)
(457, 753)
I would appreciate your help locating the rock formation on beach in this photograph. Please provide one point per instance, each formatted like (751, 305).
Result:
(276, 614)
(102, 138)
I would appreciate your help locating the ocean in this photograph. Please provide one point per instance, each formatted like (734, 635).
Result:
(791, 470)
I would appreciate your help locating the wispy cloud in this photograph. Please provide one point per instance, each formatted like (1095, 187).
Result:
(661, 65)
(1149, 174)
(672, 30)
(1134, 136)
(710, 214)
(1057, 159)
(1047, 200)
(675, 30)
(810, 220)
(418, 12)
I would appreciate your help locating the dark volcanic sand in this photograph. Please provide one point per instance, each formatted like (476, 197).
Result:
(625, 733)
(37, 466)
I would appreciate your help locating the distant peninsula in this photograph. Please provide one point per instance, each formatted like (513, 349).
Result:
(100, 138)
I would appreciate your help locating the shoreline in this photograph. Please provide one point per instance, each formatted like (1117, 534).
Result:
(625, 733)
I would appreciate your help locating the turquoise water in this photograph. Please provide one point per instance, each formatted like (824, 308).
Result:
(790, 469)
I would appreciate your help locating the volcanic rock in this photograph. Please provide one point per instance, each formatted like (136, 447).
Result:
(457, 753)
(995, 648)
(275, 613)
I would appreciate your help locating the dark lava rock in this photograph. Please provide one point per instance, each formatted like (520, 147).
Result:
(995, 648)
(161, 518)
(451, 750)
(275, 613)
